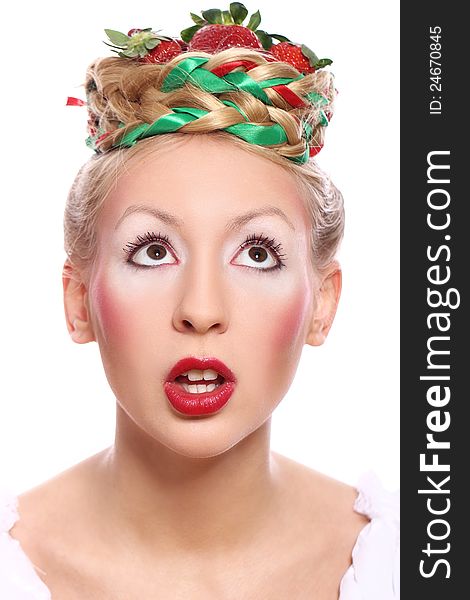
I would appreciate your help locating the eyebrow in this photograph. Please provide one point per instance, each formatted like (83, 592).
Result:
(164, 216)
(234, 224)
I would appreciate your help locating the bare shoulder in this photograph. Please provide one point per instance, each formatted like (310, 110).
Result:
(46, 499)
(323, 523)
(322, 501)
(45, 513)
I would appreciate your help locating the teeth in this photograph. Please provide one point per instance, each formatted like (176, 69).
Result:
(197, 375)
(200, 388)
(210, 375)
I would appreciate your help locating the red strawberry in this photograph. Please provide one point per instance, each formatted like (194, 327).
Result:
(214, 38)
(165, 51)
(292, 54)
(218, 30)
(299, 56)
(184, 45)
(144, 45)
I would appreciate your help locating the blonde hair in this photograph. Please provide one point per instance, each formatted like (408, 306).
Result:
(123, 93)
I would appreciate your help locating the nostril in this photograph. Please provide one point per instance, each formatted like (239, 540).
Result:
(201, 327)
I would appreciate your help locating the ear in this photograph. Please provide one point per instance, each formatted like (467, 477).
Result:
(76, 305)
(326, 302)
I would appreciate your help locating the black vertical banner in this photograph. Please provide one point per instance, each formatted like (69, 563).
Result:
(435, 268)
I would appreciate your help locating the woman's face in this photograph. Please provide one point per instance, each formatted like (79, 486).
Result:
(222, 271)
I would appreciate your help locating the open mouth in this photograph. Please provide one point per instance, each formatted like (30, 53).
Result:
(197, 386)
(200, 382)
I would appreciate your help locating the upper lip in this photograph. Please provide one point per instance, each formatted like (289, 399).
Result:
(191, 362)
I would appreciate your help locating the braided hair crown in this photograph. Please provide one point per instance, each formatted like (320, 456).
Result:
(239, 90)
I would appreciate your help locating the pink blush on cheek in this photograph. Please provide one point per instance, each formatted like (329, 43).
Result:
(290, 322)
(110, 311)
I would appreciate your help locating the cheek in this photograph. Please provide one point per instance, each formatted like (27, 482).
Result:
(279, 341)
(109, 309)
(291, 321)
(288, 326)
(122, 311)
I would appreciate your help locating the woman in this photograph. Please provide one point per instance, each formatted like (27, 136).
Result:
(201, 242)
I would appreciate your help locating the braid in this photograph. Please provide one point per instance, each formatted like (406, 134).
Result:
(261, 101)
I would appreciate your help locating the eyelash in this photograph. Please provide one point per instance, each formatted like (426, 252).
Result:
(270, 244)
(252, 240)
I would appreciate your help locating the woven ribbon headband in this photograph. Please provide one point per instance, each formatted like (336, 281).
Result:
(219, 80)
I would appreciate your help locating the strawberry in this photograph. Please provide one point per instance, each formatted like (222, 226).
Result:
(218, 30)
(215, 31)
(144, 44)
(214, 38)
(165, 51)
(299, 56)
(184, 45)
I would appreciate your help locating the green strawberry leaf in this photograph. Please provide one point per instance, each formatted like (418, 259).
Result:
(197, 19)
(238, 12)
(112, 45)
(187, 34)
(131, 53)
(213, 16)
(281, 38)
(254, 21)
(227, 18)
(152, 43)
(265, 39)
(323, 62)
(117, 38)
(310, 54)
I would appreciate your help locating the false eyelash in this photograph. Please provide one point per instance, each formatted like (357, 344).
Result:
(270, 243)
(142, 240)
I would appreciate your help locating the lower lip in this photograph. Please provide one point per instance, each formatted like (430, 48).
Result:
(198, 404)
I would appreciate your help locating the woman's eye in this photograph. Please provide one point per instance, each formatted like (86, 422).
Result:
(152, 254)
(257, 255)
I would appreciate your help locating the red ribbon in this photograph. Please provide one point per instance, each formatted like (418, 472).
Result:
(222, 70)
(315, 150)
(102, 137)
(289, 96)
(75, 102)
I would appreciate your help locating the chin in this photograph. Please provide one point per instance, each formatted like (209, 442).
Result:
(204, 437)
(201, 448)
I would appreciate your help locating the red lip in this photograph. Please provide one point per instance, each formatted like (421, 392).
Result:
(191, 362)
(199, 403)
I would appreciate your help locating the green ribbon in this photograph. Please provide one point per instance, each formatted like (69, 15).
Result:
(316, 98)
(323, 119)
(262, 135)
(190, 70)
(242, 112)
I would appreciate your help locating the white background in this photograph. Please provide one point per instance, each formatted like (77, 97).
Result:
(341, 414)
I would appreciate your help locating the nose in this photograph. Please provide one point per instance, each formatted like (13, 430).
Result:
(202, 305)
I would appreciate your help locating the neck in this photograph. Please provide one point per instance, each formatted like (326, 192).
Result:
(162, 498)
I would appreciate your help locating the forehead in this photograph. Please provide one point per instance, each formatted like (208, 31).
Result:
(205, 176)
